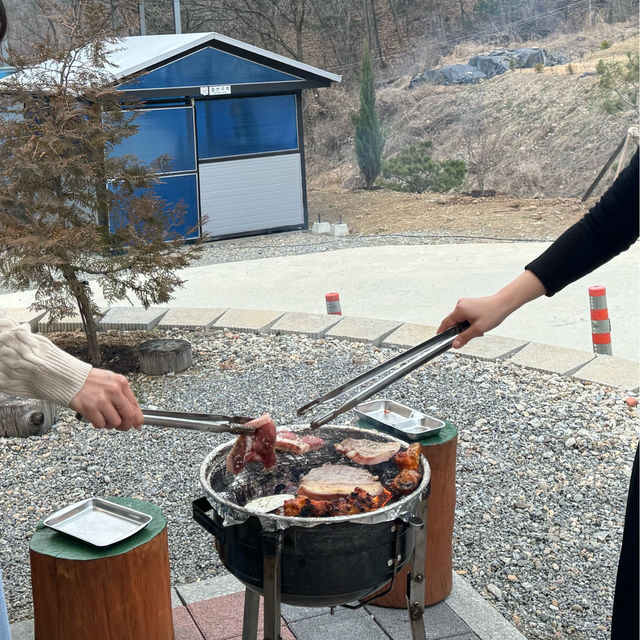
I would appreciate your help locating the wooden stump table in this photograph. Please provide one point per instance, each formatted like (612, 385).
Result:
(119, 592)
(440, 452)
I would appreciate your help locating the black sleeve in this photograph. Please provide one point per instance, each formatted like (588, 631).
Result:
(610, 227)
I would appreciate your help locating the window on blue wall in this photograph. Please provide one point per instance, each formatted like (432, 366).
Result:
(160, 132)
(243, 126)
(206, 67)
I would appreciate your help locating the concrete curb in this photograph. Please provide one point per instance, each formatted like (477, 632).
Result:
(589, 367)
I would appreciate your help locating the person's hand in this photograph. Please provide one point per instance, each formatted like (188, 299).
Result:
(106, 400)
(484, 314)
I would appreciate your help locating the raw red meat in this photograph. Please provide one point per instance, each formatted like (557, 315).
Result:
(368, 452)
(258, 447)
(332, 481)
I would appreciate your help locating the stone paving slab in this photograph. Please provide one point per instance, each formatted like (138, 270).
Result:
(476, 612)
(439, 622)
(409, 335)
(184, 627)
(26, 315)
(313, 325)
(190, 318)
(214, 588)
(367, 330)
(550, 358)
(492, 347)
(611, 371)
(248, 320)
(221, 618)
(132, 318)
(67, 323)
(343, 625)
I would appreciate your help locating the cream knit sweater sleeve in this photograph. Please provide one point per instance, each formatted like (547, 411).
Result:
(32, 366)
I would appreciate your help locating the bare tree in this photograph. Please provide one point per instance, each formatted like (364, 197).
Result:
(481, 144)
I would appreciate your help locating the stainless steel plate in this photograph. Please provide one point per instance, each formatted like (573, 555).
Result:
(398, 420)
(98, 522)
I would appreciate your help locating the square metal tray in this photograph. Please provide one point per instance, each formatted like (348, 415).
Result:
(98, 522)
(397, 420)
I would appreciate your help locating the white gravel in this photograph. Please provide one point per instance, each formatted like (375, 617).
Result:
(543, 468)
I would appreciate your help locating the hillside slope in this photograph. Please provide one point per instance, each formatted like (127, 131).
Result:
(551, 132)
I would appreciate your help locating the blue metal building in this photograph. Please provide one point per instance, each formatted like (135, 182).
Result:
(228, 115)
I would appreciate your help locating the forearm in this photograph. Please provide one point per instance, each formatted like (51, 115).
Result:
(525, 288)
(32, 366)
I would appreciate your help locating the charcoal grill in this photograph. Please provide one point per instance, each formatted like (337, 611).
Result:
(314, 562)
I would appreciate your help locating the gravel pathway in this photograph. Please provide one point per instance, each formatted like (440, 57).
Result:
(543, 467)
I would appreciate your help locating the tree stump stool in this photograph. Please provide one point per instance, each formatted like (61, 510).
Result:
(440, 452)
(120, 592)
(164, 355)
(24, 417)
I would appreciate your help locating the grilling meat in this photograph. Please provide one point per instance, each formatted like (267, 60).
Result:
(293, 443)
(405, 482)
(358, 501)
(257, 447)
(410, 458)
(367, 452)
(333, 481)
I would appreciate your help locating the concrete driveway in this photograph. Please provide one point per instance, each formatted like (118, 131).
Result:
(418, 283)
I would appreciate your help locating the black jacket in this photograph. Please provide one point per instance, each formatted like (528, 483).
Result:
(610, 227)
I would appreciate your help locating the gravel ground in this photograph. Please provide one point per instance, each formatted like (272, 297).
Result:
(303, 242)
(543, 467)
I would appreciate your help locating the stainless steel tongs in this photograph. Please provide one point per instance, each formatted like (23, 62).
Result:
(402, 365)
(208, 422)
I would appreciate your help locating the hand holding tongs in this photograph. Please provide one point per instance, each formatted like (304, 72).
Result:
(407, 361)
(211, 423)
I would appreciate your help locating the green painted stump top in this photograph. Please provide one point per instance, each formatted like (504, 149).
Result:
(48, 542)
(448, 432)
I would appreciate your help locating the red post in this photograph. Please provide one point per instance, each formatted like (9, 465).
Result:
(600, 323)
(333, 304)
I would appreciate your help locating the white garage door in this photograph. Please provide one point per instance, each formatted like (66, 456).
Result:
(251, 194)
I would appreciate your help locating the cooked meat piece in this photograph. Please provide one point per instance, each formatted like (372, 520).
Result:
(293, 443)
(367, 452)
(409, 459)
(258, 447)
(304, 508)
(314, 442)
(405, 482)
(289, 441)
(359, 501)
(332, 481)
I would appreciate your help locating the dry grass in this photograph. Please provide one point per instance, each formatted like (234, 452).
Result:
(555, 134)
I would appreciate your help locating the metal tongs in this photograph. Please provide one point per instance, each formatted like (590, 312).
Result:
(208, 422)
(402, 365)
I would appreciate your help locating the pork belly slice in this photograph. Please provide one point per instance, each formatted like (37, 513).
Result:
(293, 443)
(367, 452)
(333, 481)
(256, 447)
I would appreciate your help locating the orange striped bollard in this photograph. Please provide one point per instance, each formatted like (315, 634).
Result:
(333, 304)
(600, 323)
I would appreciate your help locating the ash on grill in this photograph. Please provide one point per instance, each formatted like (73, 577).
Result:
(254, 482)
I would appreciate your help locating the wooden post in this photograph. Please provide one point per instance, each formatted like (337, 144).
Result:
(440, 452)
(162, 356)
(24, 417)
(111, 593)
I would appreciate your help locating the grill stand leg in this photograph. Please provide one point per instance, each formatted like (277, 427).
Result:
(250, 620)
(272, 550)
(416, 578)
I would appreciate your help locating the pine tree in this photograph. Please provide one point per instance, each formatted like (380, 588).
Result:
(369, 137)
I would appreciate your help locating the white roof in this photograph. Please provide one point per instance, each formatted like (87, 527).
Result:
(130, 55)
